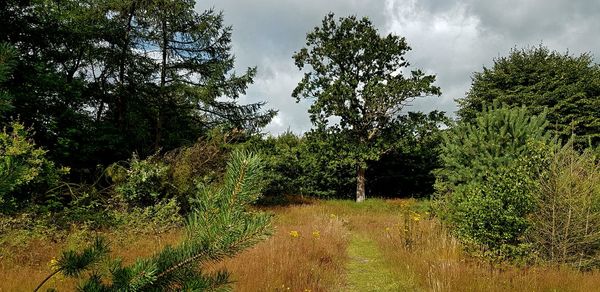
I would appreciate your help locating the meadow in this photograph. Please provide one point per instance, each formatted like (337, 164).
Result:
(335, 245)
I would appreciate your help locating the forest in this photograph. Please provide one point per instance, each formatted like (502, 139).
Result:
(128, 161)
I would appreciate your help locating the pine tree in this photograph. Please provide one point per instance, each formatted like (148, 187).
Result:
(489, 177)
(219, 226)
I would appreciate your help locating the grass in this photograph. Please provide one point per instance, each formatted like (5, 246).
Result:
(328, 246)
(307, 253)
(24, 266)
(367, 269)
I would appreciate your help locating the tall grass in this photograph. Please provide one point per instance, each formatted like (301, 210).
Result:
(307, 253)
(23, 267)
(418, 246)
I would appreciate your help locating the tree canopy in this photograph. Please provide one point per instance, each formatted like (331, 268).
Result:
(567, 85)
(98, 80)
(358, 84)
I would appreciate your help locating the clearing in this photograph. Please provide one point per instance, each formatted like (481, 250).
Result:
(379, 245)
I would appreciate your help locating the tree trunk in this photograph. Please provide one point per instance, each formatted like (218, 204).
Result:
(360, 184)
(121, 102)
(163, 82)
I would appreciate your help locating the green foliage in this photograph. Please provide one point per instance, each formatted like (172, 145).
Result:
(357, 77)
(158, 218)
(407, 169)
(7, 64)
(489, 178)
(143, 183)
(22, 165)
(283, 156)
(567, 86)
(204, 161)
(219, 226)
(100, 80)
(321, 163)
(72, 263)
(566, 224)
(328, 167)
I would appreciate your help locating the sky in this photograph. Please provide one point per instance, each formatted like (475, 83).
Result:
(451, 39)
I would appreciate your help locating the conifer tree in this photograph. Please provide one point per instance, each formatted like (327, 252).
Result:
(219, 226)
(489, 177)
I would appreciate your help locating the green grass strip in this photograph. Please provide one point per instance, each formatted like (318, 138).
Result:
(367, 269)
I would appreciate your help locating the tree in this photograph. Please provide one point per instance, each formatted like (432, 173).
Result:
(489, 178)
(220, 225)
(406, 170)
(568, 86)
(7, 63)
(99, 80)
(358, 85)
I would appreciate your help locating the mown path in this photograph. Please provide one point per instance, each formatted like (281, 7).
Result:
(367, 269)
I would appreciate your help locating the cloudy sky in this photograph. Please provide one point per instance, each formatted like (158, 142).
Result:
(451, 39)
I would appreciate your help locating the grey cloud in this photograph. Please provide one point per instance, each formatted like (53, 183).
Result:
(451, 39)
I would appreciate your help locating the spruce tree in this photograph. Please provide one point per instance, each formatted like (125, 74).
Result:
(219, 226)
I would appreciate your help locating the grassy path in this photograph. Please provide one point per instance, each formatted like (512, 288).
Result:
(367, 269)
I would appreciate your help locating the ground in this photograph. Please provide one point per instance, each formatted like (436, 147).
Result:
(378, 245)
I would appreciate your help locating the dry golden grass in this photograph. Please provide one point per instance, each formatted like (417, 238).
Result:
(419, 248)
(306, 253)
(22, 268)
(416, 250)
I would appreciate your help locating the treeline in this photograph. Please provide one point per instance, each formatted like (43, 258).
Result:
(96, 81)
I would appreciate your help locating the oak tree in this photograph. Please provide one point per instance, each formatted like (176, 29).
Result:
(358, 85)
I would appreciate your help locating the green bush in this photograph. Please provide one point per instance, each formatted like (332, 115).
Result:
(155, 219)
(221, 224)
(143, 183)
(25, 173)
(489, 178)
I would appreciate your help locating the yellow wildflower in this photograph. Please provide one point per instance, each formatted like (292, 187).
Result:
(416, 217)
(294, 233)
(316, 234)
(53, 264)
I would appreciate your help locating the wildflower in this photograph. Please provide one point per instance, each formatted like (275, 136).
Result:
(316, 234)
(387, 229)
(53, 264)
(332, 216)
(294, 233)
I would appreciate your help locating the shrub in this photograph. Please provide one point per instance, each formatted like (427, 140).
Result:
(566, 224)
(489, 177)
(204, 161)
(283, 170)
(25, 173)
(143, 182)
(219, 226)
(154, 219)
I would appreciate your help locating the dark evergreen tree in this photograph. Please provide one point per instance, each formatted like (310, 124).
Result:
(567, 86)
(98, 80)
